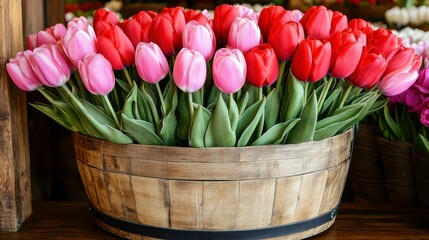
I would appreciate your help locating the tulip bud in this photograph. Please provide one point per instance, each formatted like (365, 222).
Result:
(346, 53)
(21, 72)
(292, 31)
(78, 42)
(166, 31)
(100, 82)
(137, 28)
(50, 65)
(151, 63)
(190, 70)
(370, 68)
(224, 16)
(50, 35)
(244, 34)
(104, 17)
(311, 60)
(200, 38)
(262, 65)
(229, 70)
(116, 47)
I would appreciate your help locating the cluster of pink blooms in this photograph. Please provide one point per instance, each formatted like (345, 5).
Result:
(242, 45)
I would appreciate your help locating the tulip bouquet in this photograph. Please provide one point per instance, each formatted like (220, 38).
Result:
(181, 77)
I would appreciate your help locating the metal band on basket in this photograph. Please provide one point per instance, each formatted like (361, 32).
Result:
(166, 233)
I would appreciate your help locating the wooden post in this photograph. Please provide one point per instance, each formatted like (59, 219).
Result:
(15, 191)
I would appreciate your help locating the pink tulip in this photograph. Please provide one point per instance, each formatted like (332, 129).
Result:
(229, 70)
(311, 60)
(190, 70)
(101, 81)
(79, 41)
(151, 63)
(424, 117)
(401, 71)
(200, 38)
(50, 35)
(50, 65)
(244, 34)
(21, 72)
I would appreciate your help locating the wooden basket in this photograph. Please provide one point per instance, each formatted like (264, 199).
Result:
(421, 170)
(145, 192)
(396, 157)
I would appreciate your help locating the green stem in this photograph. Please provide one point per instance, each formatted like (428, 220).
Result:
(82, 88)
(260, 93)
(127, 75)
(346, 94)
(46, 95)
(281, 73)
(107, 103)
(324, 94)
(191, 105)
(161, 99)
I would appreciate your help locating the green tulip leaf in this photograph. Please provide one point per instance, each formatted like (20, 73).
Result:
(393, 127)
(168, 128)
(124, 85)
(425, 143)
(233, 113)
(304, 129)
(219, 132)
(148, 100)
(183, 117)
(277, 133)
(249, 122)
(142, 131)
(47, 110)
(242, 103)
(272, 108)
(293, 98)
(332, 125)
(199, 127)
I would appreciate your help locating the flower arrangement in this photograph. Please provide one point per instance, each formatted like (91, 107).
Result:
(181, 77)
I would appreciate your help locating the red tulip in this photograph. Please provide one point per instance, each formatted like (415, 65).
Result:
(102, 18)
(198, 16)
(317, 22)
(292, 31)
(21, 72)
(320, 22)
(244, 34)
(224, 16)
(311, 60)
(50, 35)
(189, 70)
(385, 40)
(370, 68)
(346, 53)
(137, 28)
(339, 22)
(229, 70)
(116, 47)
(166, 31)
(101, 81)
(271, 16)
(361, 25)
(262, 65)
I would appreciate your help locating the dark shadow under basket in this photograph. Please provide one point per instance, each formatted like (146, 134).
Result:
(396, 157)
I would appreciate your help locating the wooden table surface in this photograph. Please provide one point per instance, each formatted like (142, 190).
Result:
(71, 220)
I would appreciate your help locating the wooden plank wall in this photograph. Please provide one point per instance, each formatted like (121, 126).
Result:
(15, 190)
